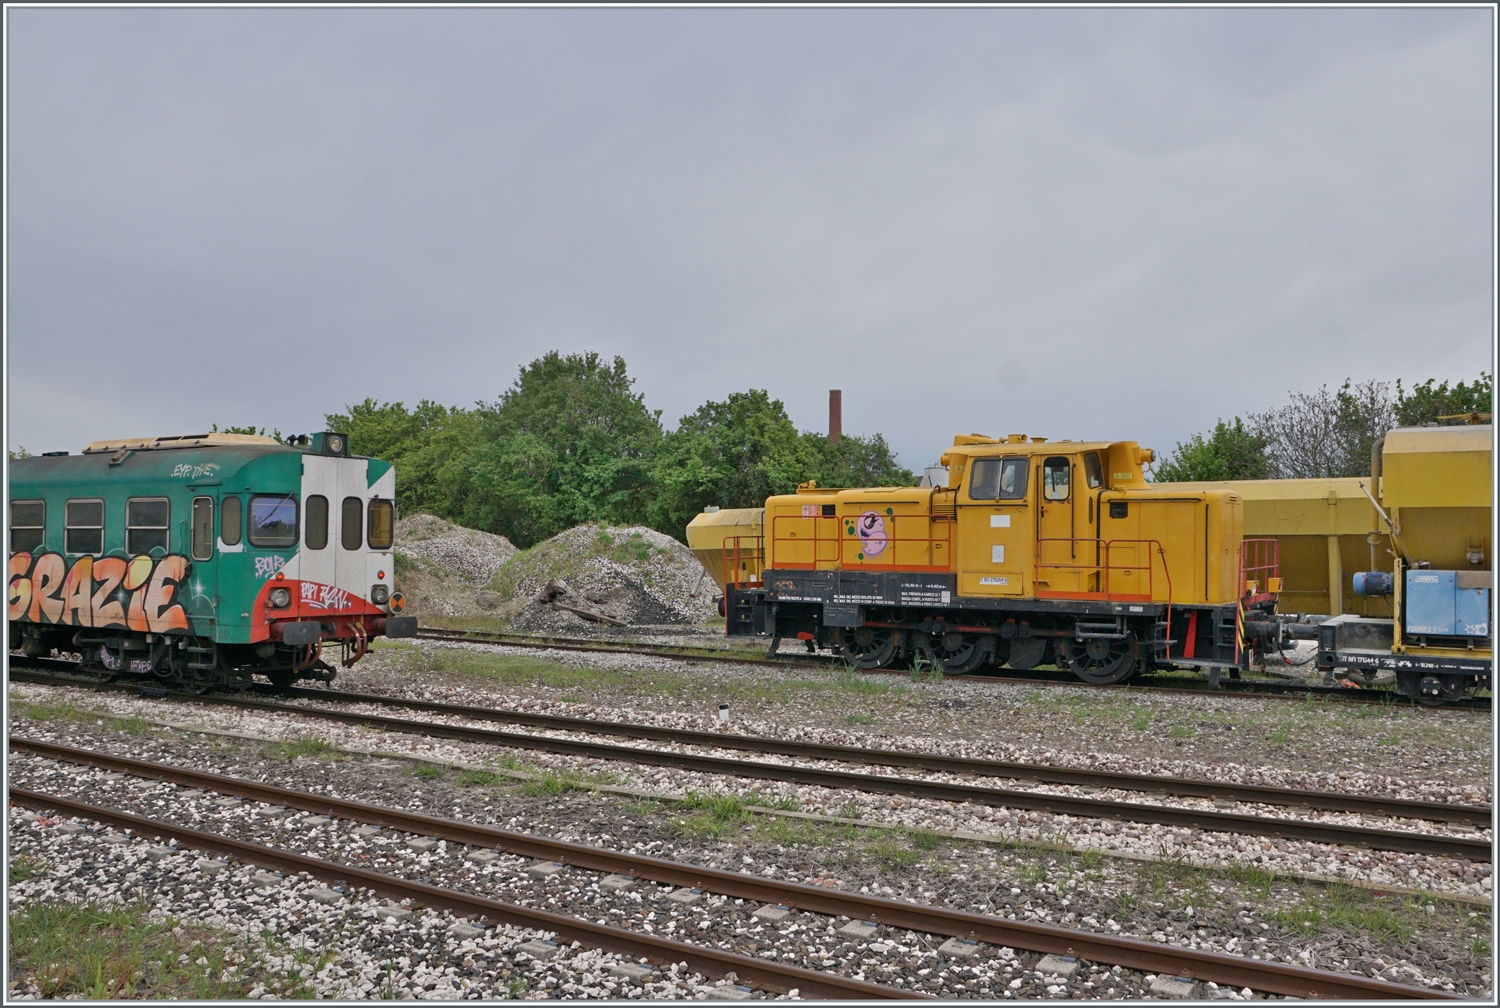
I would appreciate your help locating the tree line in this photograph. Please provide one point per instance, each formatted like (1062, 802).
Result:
(1321, 434)
(572, 442)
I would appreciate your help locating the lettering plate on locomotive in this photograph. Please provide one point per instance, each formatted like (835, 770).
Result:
(861, 587)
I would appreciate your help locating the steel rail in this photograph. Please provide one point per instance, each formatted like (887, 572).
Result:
(1090, 808)
(1132, 953)
(701, 958)
(1476, 815)
(1230, 688)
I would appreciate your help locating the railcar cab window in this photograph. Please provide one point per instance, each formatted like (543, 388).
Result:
(273, 520)
(382, 524)
(28, 525)
(317, 522)
(1093, 471)
(1056, 472)
(352, 535)
(231, 519)
(998, 479)
(146, 524)
(83, 527)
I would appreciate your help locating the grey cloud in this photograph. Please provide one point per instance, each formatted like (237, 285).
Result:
(1109, 223)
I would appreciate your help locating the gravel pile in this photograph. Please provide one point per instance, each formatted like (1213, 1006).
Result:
(469, 555)
(632, 573)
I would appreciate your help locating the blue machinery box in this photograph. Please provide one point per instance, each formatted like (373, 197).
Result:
(1452, 603)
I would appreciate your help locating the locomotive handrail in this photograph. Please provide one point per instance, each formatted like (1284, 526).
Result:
(735, 552)
(1107, 567)
(842, 541)
(1258, 556)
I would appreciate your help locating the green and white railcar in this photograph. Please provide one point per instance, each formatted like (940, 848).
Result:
(205, 559)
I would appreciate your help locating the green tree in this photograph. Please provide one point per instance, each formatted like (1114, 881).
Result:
(1428, 401)
(738, 452)
(1229, 452)
(252, 429)
(428, 445)
(568, 443)
(859, 462)
(734, 453)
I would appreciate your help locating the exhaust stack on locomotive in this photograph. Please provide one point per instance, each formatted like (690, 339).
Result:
(205, 559)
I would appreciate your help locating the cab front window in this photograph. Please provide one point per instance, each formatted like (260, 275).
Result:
(273, 520)
(998, 479)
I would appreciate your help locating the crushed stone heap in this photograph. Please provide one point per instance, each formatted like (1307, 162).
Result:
(468, 554)
(633, 574)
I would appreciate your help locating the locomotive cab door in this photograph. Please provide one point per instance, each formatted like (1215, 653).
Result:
(334, 492)
(1061, 555)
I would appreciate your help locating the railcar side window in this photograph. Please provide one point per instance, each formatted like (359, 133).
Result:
(1093, 471)
(382, 524)
(231, 518)
(273, 520)
(28, 525)
(353, 533)
(1056, 472)
(998, 479)
(317, 522)
(146, 524)
(83, 526)
(203, 528)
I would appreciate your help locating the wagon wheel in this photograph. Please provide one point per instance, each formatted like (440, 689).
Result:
(869, 647)
(1101, 661)
(953, 652)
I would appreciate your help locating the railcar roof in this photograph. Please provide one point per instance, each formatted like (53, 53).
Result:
(214, 440)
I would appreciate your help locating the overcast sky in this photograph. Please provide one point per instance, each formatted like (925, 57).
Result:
(1076, 223)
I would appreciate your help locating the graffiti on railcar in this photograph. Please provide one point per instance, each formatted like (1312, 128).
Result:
(139, 593)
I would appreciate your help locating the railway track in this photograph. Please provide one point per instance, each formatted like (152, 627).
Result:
(1473, 849)
(1238, 971)
(1259, 689)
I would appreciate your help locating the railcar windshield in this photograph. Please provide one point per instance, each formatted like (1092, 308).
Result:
(998, 479)
(382, 525)
(273, 520)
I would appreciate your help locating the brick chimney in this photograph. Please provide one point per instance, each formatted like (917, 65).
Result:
(835, 415)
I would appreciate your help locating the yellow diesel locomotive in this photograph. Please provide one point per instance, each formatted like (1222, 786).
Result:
(1035, 552)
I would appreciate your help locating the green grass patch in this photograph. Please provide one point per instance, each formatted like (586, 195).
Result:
(1341, 906)
(1140, 718)
(98, 951)
(1181, 731)
(553, 783)
(471, 778)
(429, 771)
(854, 719)
(301, 745)
(24, 866)
(889, 853)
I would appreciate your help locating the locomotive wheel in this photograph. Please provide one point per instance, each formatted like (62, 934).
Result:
(1101, 662)
(869, 647)
(953, 652)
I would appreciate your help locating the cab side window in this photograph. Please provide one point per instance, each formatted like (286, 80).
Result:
(146, 524)
(1093, 472)
(352, 534)
(83, 527)
(28, 525)
(203, 528)
(231, 520)
(382, 530)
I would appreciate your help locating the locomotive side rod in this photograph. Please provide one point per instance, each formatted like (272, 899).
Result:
(1222, 968)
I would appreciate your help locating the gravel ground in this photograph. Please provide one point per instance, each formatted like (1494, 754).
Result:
(1314, 740)
(1388, 868)
(1255, 916)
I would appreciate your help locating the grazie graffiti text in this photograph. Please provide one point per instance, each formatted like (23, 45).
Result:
(139, 593)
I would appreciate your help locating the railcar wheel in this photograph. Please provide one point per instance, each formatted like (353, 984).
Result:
(953, 652)
(1100, 661)
(282, 679)
(869, 647)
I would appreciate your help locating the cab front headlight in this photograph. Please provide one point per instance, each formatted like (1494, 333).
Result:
(279, 598)
(380, 594)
